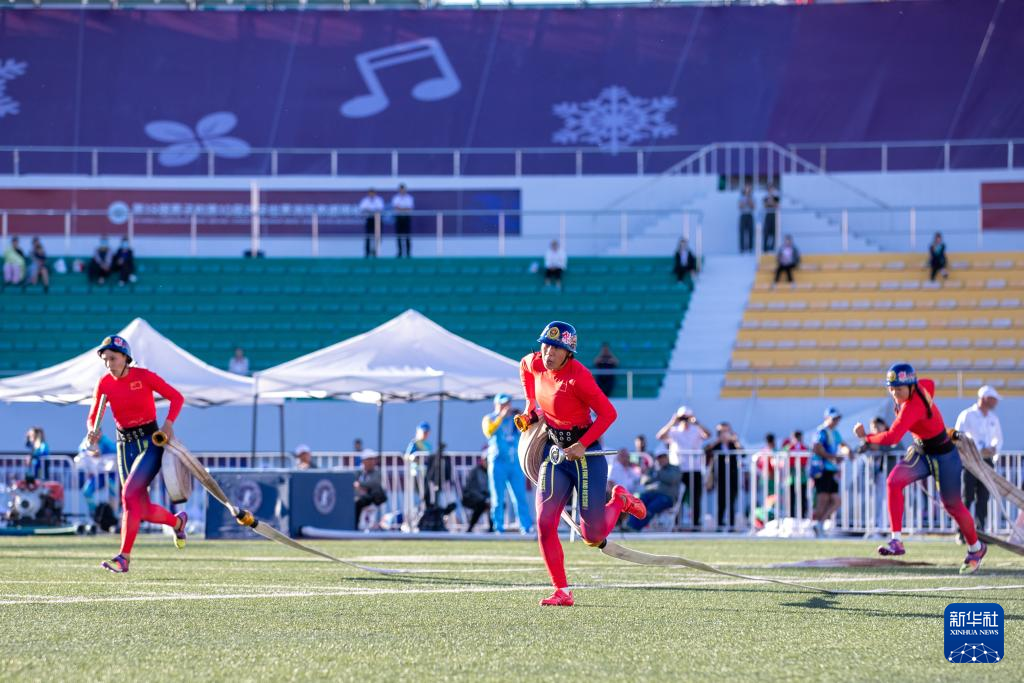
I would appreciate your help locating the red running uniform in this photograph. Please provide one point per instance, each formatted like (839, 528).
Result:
(945, 467)
(566, 396)
(130, 397)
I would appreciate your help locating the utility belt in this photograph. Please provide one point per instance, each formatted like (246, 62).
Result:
(139, 432)
(940, 444)
(566, 437)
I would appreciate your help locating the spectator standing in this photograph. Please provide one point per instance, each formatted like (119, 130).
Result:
(38, 268)
(764, 461)
(771, 210)
(14, 263)
(724, 462)
(640, 454)
(239, 363)
(786, 260)
(622, 472)
(686, 438)
(102, 262)
(829, 449)
(35, 442)
(746, 205)
(661, 491)
(476, 494)
(555, 262)
(124, 262)
(937, 257)
(402, 204)
(981, 424)
(369, 486)
(371, 207)
(304, 458)
(605, 360)
(504, 473)
(797, 478)
(685, 263)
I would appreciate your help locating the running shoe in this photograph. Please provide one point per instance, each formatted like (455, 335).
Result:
(118, 565)
(560, 598)
(973, 560)
(180, 536)
(893, 547)
(631, 505)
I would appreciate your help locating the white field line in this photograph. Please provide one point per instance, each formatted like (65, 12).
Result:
(354, 591)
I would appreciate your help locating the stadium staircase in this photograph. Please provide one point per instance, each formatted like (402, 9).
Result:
(849, 316)
(278, 309)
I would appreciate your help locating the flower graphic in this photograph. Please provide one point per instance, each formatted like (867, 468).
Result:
(9, 70)
(210, 135)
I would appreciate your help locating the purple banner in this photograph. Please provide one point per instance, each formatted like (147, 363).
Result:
(214, 87)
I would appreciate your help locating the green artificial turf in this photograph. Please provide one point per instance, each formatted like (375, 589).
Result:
(241, 611)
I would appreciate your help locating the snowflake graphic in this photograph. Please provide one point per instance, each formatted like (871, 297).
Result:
(614, 119)
(186, 145)
(973, 654)
(9, 70)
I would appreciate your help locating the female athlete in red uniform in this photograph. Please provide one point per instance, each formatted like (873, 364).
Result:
(129, 392)
(565, 392)
(936, 456)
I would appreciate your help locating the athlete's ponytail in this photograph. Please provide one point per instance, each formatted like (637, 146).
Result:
(925, 398)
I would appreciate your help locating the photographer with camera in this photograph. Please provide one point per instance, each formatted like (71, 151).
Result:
(686, 438)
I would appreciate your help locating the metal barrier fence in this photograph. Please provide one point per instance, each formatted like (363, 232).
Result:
(737, 491)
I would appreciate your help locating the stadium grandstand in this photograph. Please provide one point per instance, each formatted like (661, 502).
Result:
(339, 226)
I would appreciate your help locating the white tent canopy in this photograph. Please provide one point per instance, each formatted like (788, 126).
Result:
(74, 380)
(409, 357)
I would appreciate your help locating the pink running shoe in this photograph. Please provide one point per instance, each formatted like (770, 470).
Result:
(560, 598)
(893, 547)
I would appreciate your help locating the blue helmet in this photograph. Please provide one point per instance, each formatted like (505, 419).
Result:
(501, 399)
(562, 335)
(116, 343)
(900, 375)
(423, 426)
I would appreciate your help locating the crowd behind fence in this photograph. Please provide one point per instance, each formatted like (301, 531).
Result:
(757, 490)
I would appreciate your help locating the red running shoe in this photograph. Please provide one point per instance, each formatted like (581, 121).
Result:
(560, 598)
(631, 505)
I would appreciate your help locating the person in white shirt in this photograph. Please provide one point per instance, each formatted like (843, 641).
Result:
(686, 438)
(371, 206)
(555, 262)
(402, 203)
(981, 423)
(239, 364)
(623, 472)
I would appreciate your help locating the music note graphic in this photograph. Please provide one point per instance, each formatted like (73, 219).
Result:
(369, 63)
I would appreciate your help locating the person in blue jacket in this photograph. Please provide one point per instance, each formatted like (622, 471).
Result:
(503, 468)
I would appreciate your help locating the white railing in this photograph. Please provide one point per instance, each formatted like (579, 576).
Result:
(738, 491)
(731, 159)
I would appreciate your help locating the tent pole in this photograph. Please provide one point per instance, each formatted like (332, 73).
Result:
(380, 428)
(440, 442)
(281, 429)
(255, 416)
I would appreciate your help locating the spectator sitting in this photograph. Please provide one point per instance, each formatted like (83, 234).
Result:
(685, 263)
(239, 364)
(623, 472)
(937, 257)
(95, 461)
(38, 269)
(14, 263)
(124, 262)
(102, 263)
(661, 490)
(369, 486)
(605, 360)
(476, 494)
(304, 458)
(555, 262)
(788, 258)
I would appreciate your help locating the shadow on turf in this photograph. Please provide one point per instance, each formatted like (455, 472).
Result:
(831, 603)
